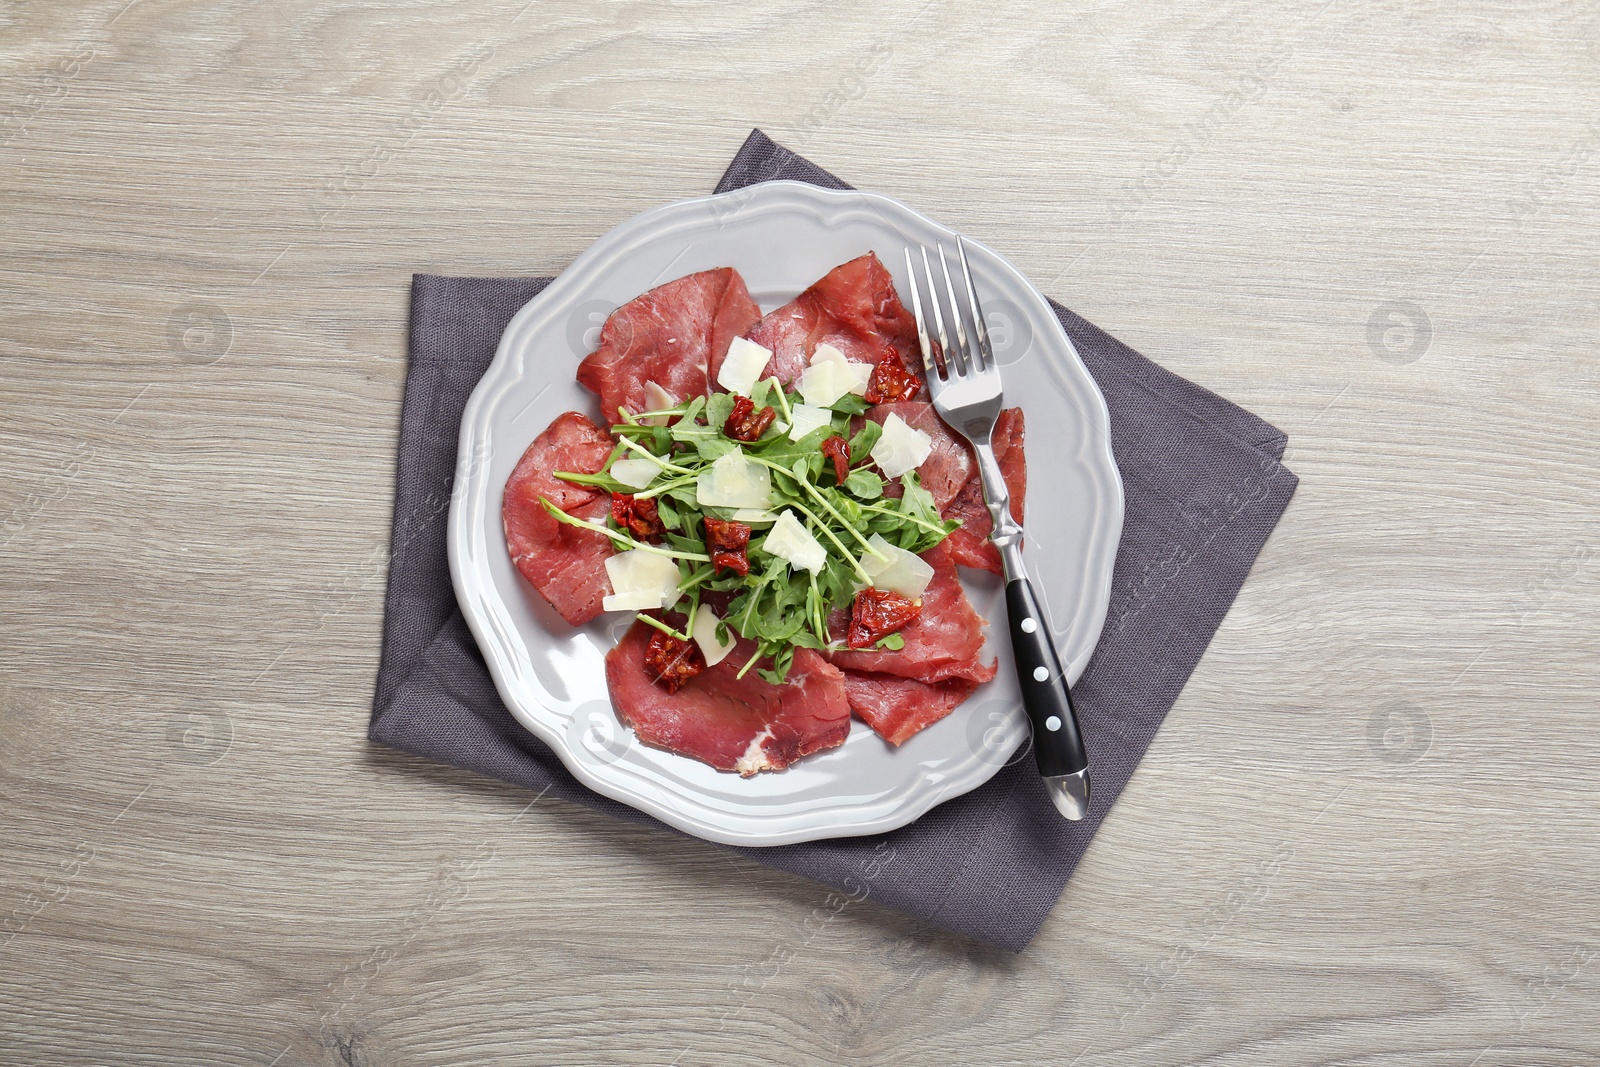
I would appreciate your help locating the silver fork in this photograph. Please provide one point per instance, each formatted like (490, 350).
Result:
(964, 381)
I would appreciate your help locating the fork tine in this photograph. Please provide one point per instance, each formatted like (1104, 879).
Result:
(938, 315)
(922, 323)
(979, 329)
(963, 359)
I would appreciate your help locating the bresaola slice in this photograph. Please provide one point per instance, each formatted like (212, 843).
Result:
(970, 546)
(673, 336)
(898, 708)
(744, 724)
(901, 693)
(853, 307)
(946, 640)
(564, 563)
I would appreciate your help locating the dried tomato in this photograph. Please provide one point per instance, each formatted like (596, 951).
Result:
(891, 382)
(745, 423)
(641, 518)
(838, 449)
(877, 613)
(729, 542)
(672, 661)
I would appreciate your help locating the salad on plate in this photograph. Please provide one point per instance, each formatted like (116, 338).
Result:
(777, 509)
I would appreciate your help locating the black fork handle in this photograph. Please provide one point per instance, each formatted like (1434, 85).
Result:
(1057, 741)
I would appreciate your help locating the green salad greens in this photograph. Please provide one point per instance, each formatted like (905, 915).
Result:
(689, 476)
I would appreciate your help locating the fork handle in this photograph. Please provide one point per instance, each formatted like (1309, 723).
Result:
(1057, 742)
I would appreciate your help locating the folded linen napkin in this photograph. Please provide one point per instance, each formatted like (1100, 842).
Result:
(1204, 489)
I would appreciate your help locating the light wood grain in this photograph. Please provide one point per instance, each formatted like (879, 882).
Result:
(202, 861)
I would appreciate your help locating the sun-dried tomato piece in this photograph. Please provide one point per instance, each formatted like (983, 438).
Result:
(838, 449)
(729, 542)
(891, 382)
(671, 661)
(877, 613)
(641, 518)
(745, 423)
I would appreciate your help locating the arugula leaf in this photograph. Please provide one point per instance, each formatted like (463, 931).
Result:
(687, 500)
(687, 432)
(763, 395)
(780, 666)
(604, 481)
(718, 407)
(620, 540)
(685, 544)
(893, 642)
(712, 449)
(784, 452)
(836, 584)
(868, 485)
(669, 514)
(846, 509)
(864, 441)
(917, 504)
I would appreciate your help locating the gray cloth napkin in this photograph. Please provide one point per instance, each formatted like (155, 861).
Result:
(1204, 490)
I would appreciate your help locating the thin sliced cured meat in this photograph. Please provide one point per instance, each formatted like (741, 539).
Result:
(744, 724)
(853, 307)
(949, 466)
(897, 708)
(564, 563)
(970, 545)
(946, 640)
(671, 336)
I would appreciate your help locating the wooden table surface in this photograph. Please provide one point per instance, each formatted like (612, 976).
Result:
(1367, 833)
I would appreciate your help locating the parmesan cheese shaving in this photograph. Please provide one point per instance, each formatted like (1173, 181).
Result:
(831, 376)
(705, 635)
(734, 481)
(657, 399)
(793, 542)
(902, 448)
(637, 471)
(806, 419)
(641, 580)
(902, 572)
(742, 366)
(855, 376)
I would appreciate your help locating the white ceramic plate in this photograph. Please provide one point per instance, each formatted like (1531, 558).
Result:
(781, 236)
